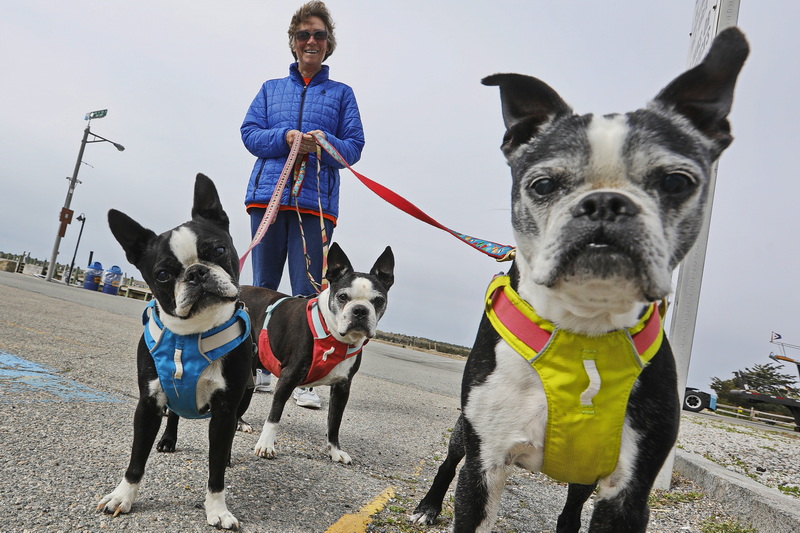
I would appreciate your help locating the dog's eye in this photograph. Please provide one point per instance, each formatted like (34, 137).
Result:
(162, 276)
(343, 298)
(676, 183)
(543, 186)
(219, 251)
(378, 301)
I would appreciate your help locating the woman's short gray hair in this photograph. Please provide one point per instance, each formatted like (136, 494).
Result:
(315, 8)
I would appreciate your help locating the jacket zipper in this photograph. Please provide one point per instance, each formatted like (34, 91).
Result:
(302, 103)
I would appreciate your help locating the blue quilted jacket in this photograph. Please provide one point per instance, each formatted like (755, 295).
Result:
(285, 104)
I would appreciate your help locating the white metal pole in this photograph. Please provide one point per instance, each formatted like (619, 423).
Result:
(710, 17)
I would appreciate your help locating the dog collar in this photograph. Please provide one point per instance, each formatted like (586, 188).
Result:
(181, 359)
(587, 380)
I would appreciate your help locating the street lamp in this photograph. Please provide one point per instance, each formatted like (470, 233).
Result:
(66, 213)
(82, 219)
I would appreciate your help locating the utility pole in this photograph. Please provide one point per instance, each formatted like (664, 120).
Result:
(65, 217)
(66, 214)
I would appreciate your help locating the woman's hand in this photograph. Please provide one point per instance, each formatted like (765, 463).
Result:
(318, 132)
(308, 144)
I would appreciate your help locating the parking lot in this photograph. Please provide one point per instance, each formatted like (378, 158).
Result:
(68, 393)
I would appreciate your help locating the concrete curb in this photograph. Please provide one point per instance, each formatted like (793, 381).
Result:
(763, 508)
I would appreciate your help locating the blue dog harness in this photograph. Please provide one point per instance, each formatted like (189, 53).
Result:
(180, 359)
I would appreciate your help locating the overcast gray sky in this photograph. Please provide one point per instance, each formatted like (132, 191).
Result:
(177, 78)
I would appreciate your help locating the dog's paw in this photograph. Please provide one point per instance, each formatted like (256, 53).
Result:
(166, 445)
(121, 500)
(217, 513)
(424, 516)
(265, 447)
(338, 456)
(266, 453)
(264, 450)
(244, 427)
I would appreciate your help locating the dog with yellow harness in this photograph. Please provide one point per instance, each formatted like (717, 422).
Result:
(571, 373)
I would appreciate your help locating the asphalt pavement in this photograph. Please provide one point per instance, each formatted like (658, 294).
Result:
(67, 398)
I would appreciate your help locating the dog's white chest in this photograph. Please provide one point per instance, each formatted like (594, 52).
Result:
(509, 412)
(210, 381)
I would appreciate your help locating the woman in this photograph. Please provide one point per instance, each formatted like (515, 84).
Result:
(305, 102)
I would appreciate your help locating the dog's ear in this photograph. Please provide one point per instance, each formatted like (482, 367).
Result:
(131, 235)
(528, 104)
(704, 94)
(338, 263)
(206, 202)
(383, 269)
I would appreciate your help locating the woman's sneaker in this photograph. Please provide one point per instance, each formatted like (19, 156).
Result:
(306, 398)
(263, 381)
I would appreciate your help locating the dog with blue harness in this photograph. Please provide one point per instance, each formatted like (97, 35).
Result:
(196, 352)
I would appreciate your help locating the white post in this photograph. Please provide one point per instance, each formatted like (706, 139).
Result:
(710, 17)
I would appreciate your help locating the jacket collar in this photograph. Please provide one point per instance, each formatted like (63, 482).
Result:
(321, 77)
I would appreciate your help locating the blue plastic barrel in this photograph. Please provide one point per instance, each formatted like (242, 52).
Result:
(93, 274)
(111, 280)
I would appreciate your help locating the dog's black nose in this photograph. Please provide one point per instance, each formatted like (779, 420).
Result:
(605, 206)
(360, 312)
(196, 274)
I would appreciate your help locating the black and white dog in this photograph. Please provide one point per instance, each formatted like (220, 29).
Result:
(312, 342)
(196, 353)
(318, 341)
(570, 374)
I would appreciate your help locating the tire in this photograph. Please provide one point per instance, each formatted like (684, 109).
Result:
(693, 402)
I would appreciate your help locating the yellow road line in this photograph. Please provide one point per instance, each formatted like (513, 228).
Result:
(357, 522)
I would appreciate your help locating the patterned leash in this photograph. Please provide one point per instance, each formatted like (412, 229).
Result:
(298, 184)
(274, 202)
(500, 252)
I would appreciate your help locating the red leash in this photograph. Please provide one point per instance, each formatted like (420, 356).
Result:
(500, 252)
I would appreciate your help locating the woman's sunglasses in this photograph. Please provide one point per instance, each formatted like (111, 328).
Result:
(303, 35)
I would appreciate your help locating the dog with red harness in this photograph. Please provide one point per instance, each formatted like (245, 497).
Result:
(318, 341)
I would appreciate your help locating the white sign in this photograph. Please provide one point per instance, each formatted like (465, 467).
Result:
(710, 18)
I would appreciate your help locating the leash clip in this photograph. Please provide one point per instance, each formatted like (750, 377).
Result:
(508, 256)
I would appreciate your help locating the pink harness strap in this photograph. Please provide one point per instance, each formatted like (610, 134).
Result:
(536, 338)
(521, 326)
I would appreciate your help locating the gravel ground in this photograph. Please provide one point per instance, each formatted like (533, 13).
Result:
(770, 457)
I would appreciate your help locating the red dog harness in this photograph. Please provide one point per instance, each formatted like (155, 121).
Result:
(328, 352)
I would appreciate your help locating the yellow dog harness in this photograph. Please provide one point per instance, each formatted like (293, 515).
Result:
(587, 381)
